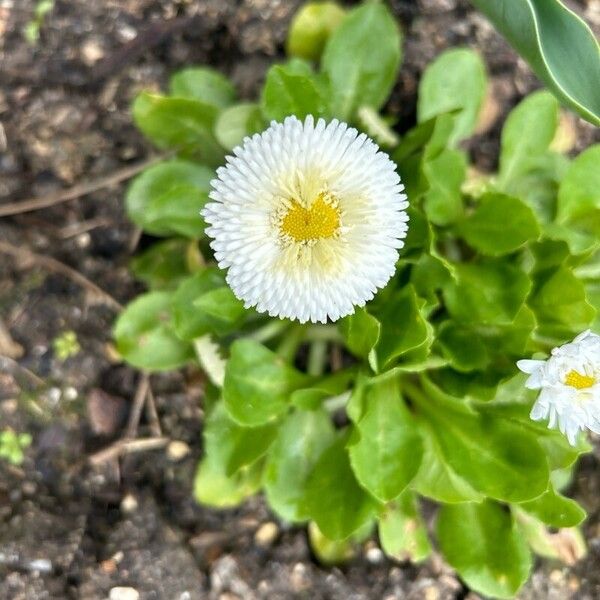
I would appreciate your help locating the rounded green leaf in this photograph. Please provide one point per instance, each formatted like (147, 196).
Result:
(360, 331)
(404, 329)
(487, 292)
(402, 533)
(163, 265)
(499, 225)
(463, 348)
(493, 455)
(301, 439)
(560, 303)
(578, 204)
(443, 202)
(180, 123)
(436, 479)
(293, 89)
(555, 510)
(220, 479)
(204, 303)
(204, 84)
(526, 135)
(311, 27)
(385, 449)
(579, 192)
(258, 383)
(237, 122)
(333, 498)
(167, 198)
(455, 80)
(484, 545)
(557, 44)
(145, 337)
(361, 59)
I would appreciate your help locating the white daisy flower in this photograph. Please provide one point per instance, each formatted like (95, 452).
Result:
(308, 219)
(570, 386)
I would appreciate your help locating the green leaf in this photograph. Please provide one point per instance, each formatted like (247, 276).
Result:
(311, 27)
(526, 135)
(499, 225)
(436, 479)
(538, 185)
(179, 123)
(454, 80)
(361, 59)
(484, 545)
(548, 544)
(258, 383)
(404, 330)
(203, 84)
(402, 533)
(145, 337)
(555, 510)
(335, 552)
(493, 455)
(560, 304)
(385, 448)
(360, 331)
(578, 204)
(163, 265)
(237, 122)
(552, 39)
(330, 386)
(293, 89)
(166, 199)
(301, 439)
(217, 483)
(487, 292)
(203, 303)
(513, 403)
(333, 498)
(463, 348)
(579, 192)
(429, 275)
(445, 173)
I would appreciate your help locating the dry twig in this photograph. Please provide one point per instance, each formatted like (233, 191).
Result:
(23, 206)
(139, 399)
(52, 264)
(125, 446)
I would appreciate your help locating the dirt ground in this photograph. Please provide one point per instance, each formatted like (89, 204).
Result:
(77, 521)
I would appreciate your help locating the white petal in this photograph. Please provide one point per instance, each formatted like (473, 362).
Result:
(529, 366)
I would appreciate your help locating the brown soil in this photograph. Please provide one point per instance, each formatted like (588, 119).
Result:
(69, 529)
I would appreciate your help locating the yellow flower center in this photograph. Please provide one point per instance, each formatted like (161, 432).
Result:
(579, 381)
(320, 220)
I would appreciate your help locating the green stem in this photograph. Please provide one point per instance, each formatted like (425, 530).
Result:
(324, 333)
(289, 344)
(317, 356)
(269, 331)
(335, 403)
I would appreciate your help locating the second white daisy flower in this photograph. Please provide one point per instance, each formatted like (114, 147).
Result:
(570, 386)
(308, 219)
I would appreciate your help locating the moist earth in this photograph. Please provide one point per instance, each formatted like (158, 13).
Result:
(77, 521)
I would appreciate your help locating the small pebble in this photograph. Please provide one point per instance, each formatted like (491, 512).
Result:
(91, 52)
(266, 534)
(177, 450)
(374, 555)
(123, 593)
(129, 504)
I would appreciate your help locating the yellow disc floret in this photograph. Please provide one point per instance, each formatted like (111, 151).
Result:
(320, 220)
(579, 381)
